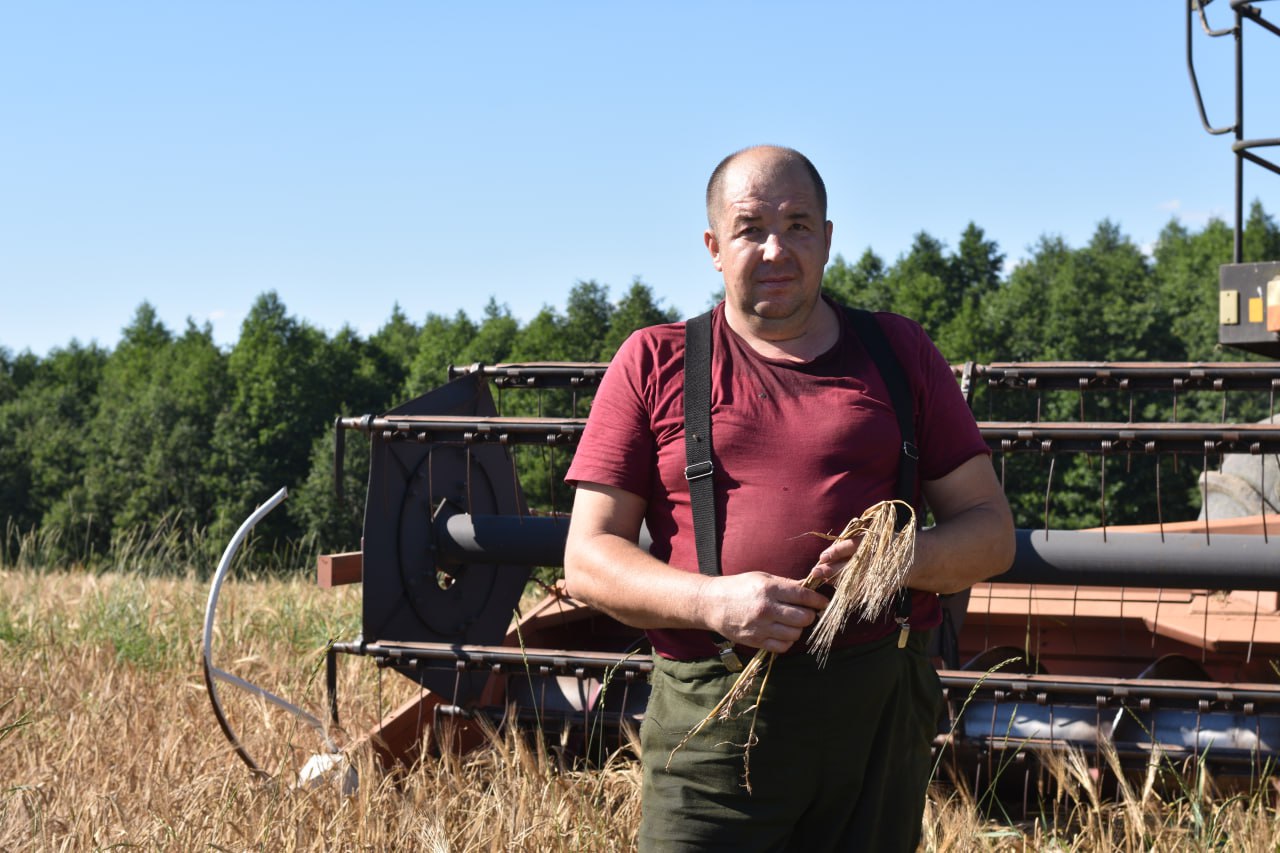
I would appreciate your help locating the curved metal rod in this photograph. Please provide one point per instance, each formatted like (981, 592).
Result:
(1191, 70)
(212, 674)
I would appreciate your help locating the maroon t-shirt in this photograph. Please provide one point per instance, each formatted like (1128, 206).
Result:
(797, 448)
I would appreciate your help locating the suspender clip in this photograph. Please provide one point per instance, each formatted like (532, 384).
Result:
(698, 470)
(729, 657)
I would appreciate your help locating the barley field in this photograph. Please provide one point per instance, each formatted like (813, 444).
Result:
(107, 742)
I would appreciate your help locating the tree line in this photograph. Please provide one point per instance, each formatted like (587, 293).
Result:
(169, 428)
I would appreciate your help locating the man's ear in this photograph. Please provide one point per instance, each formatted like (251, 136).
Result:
(713, 246)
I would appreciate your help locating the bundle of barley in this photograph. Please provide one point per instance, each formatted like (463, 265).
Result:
(867, 583)
(864, 585)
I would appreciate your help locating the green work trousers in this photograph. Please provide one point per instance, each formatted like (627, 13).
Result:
(840, 758)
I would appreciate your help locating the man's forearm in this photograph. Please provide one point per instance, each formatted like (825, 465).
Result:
(963, 550)
(617, 577)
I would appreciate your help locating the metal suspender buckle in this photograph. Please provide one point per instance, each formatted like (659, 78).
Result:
(729, 657)
(910, 450)
(698, 470)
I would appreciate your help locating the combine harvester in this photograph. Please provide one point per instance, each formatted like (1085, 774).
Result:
(1160, 641)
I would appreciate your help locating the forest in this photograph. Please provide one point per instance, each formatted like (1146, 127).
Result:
(170, 433)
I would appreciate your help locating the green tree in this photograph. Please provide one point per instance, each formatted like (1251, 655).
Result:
(588, 317)
(396, 344)
(46, 445)
(859, 285)
(263, 439)
(494, 339)
(1261, 238)
(440, 342)
(156, 407)
(636, 310)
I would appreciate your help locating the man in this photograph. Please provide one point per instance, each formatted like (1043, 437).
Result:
(804, 438)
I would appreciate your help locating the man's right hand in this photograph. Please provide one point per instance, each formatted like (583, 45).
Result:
(604, 568)
(759, 610)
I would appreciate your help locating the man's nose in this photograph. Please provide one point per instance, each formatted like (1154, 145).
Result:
(774, 248)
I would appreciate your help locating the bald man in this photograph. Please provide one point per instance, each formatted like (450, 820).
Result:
(805, 437)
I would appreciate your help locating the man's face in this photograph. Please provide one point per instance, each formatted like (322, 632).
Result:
(770, 242)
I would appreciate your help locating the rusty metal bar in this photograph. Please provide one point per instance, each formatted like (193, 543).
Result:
(1005, 436)
(537, 374)
(1129, 376)
(498, 658)
(1067, 375)
(1128, 438)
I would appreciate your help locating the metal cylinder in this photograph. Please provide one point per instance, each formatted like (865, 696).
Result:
(1058, 557)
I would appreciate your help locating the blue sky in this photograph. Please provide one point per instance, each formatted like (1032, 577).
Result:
(355, 155)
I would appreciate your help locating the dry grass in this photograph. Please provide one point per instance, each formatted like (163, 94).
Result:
(107, 739)
(107, 742)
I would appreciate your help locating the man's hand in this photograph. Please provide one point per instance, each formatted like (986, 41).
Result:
(604, 568)
(833, 559)
(759, 610)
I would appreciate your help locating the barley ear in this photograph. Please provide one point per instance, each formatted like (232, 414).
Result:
(867, 583)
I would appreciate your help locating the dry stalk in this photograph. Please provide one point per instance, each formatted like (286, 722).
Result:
(865, 585)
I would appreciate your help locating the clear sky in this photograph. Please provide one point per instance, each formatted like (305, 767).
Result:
(352, 155)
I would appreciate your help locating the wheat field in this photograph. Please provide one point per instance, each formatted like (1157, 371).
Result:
(107, 742)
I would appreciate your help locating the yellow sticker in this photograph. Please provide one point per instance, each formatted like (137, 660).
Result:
(1255, 309)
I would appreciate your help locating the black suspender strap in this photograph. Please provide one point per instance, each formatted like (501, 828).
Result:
(699, 469)
(697, 441)
(873, 338)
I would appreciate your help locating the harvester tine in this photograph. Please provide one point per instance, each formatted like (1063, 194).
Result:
(420, 725)
(515, 482)
(1075, 603)
(470, 511)
(1253, 627)
(1026, 640)
(1123, 627)
(431, 477)
(1159, 499)
(1048, 488)
(1262, 492)
(1155, 620)
(459, 666)
(550, 451)
(1204, 490)
(1204, 629)
(1102, 486)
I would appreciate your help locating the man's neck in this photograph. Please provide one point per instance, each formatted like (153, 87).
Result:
(802, 341)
